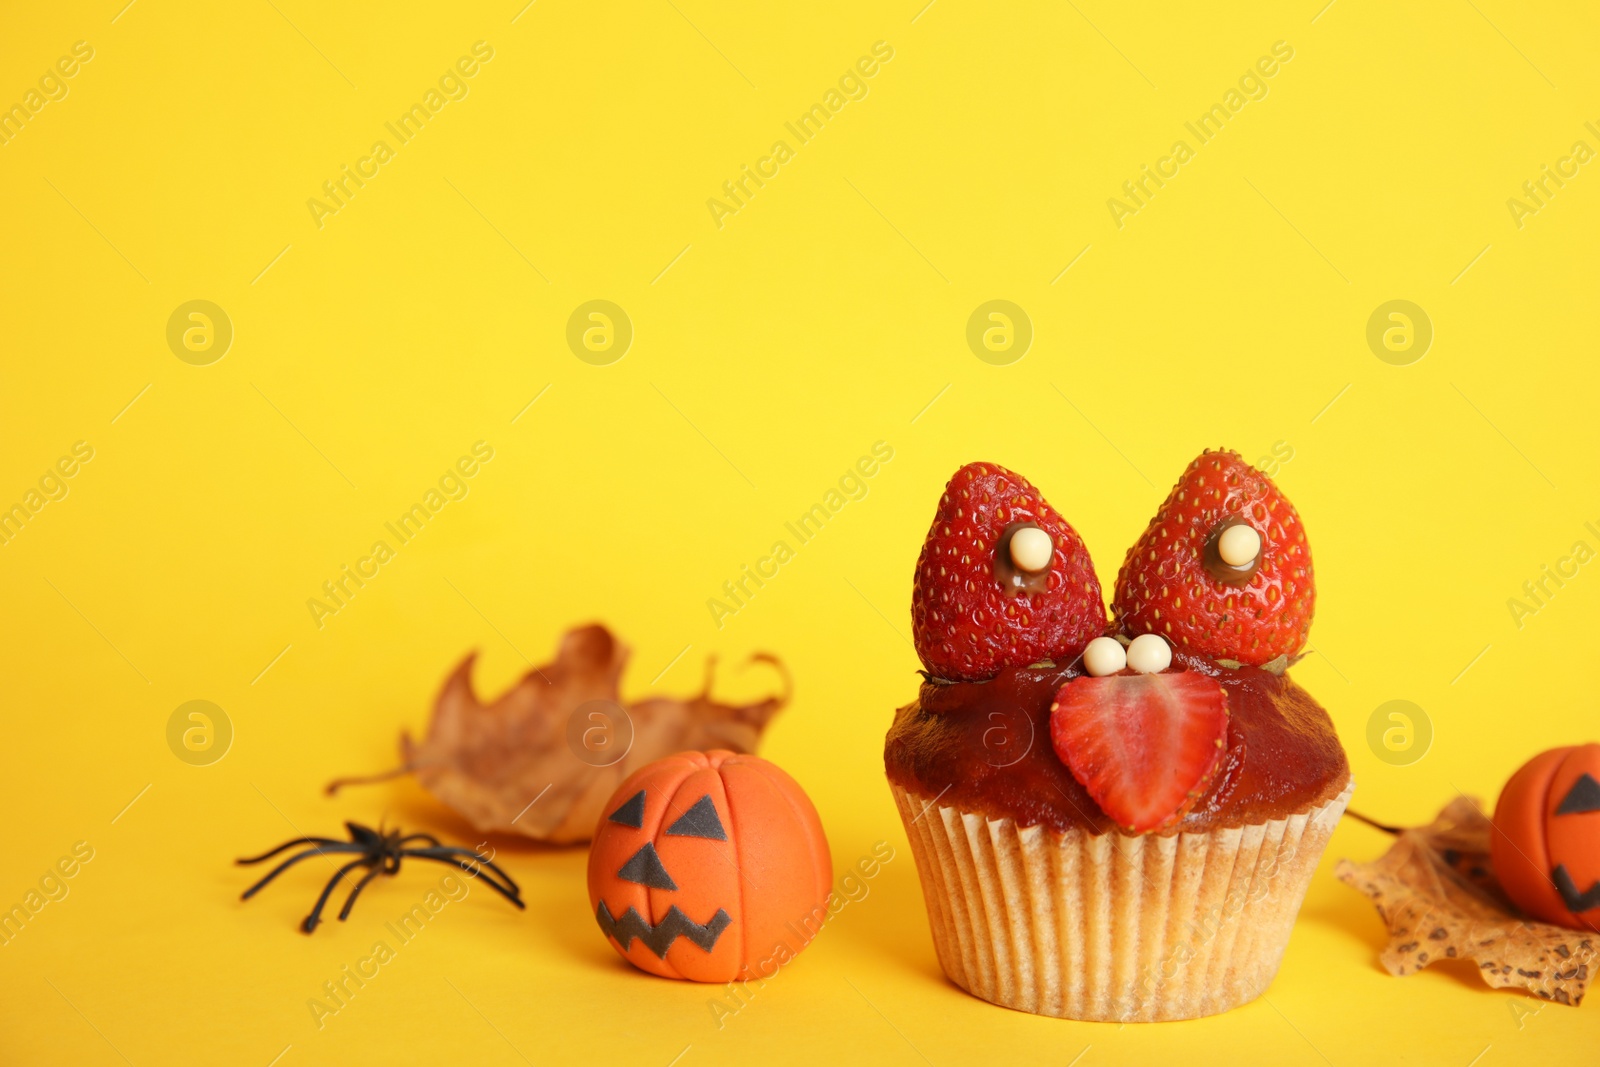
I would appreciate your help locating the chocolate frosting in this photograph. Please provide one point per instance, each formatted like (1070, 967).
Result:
(985, 747)
(1013, 579)
(1219, 568)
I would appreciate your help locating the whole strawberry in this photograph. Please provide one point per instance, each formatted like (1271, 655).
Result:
(1223, 570)
(1003, 580)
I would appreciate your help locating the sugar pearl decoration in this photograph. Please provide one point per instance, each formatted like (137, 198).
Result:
(1149, 654)
(1031, 549)
(1104, 656)
(1238, 545)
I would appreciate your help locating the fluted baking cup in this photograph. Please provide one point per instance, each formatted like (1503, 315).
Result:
(1109, 927)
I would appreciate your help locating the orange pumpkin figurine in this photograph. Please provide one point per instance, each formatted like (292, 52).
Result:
(1546, 840)
(709, 866)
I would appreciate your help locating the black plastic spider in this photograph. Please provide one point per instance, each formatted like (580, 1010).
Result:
(380, 852)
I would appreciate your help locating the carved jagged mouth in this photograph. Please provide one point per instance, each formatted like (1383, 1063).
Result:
(1574, 900)
(659, 938)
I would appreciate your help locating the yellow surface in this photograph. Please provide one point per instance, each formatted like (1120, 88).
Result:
(827, 313)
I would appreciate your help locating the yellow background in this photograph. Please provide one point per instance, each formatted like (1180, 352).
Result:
(768, 355)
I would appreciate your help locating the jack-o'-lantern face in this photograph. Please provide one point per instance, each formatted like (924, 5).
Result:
(1546, 840)
(705, 865)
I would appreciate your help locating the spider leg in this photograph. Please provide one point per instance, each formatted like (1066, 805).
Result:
(472, 864)
(317, 850)
(463, 857)
(512, 894)
(291, 843)
(429, 838)
(509, 890)
(472, 856)
(350, 901)
(315, 917)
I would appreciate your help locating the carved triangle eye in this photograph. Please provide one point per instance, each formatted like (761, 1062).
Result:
(631, 813)
(1583, 796)
(699, 821)
(645, 868)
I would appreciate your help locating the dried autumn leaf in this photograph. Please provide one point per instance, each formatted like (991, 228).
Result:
(514, 765)
(1435, 890)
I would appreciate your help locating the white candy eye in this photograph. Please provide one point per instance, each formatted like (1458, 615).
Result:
(1239, 545)
(1149, 654)
(1104, 656)
(1031, 549)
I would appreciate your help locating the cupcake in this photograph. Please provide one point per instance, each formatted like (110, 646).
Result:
(1115, 822)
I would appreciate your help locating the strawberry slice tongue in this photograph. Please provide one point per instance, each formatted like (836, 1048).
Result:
(1143, 745)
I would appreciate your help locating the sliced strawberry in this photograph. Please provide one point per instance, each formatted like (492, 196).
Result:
(1143, 745)
(974, 612)
(1175, 583)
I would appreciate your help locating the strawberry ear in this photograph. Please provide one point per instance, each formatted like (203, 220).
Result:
(1223, 570)
(1003, 580)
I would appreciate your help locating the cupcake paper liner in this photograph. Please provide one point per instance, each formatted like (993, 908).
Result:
(1107, 927)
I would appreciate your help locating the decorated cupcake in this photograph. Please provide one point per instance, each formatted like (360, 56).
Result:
(1115, 822)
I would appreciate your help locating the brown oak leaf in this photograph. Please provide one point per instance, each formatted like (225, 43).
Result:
(543, 757)
(1436, 892)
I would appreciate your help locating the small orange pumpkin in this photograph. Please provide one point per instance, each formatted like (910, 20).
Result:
(1546, 840)
(709, 866)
